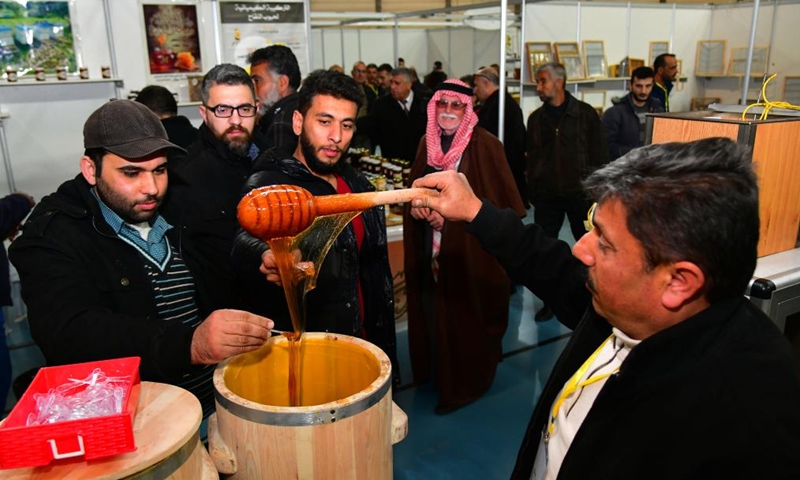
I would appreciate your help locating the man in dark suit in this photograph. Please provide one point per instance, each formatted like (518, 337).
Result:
(398, 120)
(487, 89)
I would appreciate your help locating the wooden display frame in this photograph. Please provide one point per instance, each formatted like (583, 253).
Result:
(710, 59)
(594, 59)
(566, 49)
(657, 47)
(595, 98)
(538, 53)
(569, 55)
(738, 61)
(574, 67)
(791, 89)
(634, 63)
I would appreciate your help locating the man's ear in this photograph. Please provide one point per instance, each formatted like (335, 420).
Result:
(89, 170)
(297, 122)
(684, 285)
(283, 84)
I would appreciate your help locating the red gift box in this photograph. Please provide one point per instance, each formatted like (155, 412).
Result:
(36, 445)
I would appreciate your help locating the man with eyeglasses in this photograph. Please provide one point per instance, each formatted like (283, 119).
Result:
(354, 293)
(104, 275)
(670, 372)
(566, 142)
(205, 185)
(458, 294)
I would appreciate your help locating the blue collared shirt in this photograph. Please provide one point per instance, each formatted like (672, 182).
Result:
(156, 249)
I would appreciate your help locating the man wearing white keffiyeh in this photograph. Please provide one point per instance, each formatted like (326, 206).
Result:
(457, 294)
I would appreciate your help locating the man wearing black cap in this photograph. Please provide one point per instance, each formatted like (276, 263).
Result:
(103, 274)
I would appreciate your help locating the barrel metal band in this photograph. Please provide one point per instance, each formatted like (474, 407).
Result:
(302, 419)
(163, 469)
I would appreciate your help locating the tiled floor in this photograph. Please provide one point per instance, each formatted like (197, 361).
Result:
(480, 441)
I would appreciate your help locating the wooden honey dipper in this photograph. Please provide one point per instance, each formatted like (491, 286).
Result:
(286, 210)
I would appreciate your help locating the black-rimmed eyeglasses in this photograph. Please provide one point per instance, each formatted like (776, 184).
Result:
(226, 111)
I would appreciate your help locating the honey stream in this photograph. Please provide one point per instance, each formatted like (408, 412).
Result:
(297, 259)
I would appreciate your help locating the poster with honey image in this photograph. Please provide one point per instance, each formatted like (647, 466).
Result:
(173, 40)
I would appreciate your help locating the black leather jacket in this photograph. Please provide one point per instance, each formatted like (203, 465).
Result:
(561, 153)
(333, 306)
(274, 130)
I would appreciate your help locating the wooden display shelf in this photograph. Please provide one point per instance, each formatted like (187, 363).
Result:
(775, 145)
(590, 81)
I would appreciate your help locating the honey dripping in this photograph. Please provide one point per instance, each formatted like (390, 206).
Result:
(296, 258)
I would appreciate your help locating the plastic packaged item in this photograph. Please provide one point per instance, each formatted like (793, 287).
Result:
(23, 445)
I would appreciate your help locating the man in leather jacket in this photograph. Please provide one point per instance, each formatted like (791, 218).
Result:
(354, 294)
(670, 372)
(276, 77)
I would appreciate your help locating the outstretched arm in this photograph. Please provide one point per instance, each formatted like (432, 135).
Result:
(456, 200)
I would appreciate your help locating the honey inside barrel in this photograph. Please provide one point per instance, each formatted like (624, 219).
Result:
(330, 370)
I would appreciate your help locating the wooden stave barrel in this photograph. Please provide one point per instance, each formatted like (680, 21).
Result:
(366, 415)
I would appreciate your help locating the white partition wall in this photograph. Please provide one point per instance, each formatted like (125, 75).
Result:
(733, 24)
(371, 45)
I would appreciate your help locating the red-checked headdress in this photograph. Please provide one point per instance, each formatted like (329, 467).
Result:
(437, 158)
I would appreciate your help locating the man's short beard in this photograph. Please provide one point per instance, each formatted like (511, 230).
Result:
(240, 147)
(314, 163)
(123, 206)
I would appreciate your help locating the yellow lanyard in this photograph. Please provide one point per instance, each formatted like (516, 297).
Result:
(666, 96)
(574, 384)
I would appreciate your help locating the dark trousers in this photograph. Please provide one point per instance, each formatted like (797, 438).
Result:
(5, 365)
(549, 211)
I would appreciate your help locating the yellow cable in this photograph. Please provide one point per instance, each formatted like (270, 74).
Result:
(768, 105)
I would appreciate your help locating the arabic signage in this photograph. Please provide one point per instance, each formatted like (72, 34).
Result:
(261, 12)
(248, 26)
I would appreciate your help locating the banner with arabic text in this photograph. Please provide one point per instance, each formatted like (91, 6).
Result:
(248, 26)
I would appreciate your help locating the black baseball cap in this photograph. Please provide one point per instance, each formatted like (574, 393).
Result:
(126, 128)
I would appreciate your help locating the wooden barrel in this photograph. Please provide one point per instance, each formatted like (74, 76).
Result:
(343, 430)
(168, 446)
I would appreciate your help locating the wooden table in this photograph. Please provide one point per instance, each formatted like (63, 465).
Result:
(165, 430)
